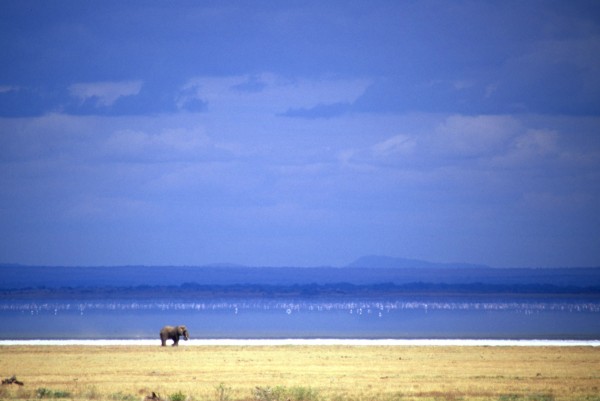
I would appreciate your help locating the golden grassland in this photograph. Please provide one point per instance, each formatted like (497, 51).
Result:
(310, 373)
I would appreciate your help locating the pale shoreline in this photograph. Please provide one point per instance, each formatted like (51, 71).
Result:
(315, 342)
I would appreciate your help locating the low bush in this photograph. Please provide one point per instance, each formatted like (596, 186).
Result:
(300, 393)
(540, 397)
(44, 392)
(531, 397)
(178, 396)
(280, 393)
(268, 393)
(91, 393)
(120, 396)
(223, 393)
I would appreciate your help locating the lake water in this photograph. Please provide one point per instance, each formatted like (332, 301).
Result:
(369, 319)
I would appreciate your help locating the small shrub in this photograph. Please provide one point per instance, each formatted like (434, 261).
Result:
(281, 393)
(269, 393)
(123, 397)
(532, 397)
(303, 394)
(43, 392)
(540, 397)
(61, 394)
(178, 396)
(92, 393)
(223, 393)
(398, 396)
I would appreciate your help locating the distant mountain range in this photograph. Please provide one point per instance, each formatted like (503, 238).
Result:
(368, 272)
(387, 262)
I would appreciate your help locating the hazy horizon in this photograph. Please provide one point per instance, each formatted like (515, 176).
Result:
(389, 262)
(402, 263)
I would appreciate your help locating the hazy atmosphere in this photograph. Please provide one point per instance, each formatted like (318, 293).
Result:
(295, 133)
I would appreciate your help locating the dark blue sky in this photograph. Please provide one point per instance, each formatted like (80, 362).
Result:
(300, 133)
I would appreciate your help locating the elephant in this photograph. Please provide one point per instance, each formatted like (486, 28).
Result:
(173, 333)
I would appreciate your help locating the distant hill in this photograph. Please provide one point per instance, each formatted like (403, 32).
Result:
(370, 273)
(386, 262)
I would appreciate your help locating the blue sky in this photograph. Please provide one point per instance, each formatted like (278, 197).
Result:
(300, 133)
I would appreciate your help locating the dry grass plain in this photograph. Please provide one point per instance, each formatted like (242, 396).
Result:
(310, 373)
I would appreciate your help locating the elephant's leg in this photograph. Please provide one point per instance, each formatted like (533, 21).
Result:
(175, 341)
